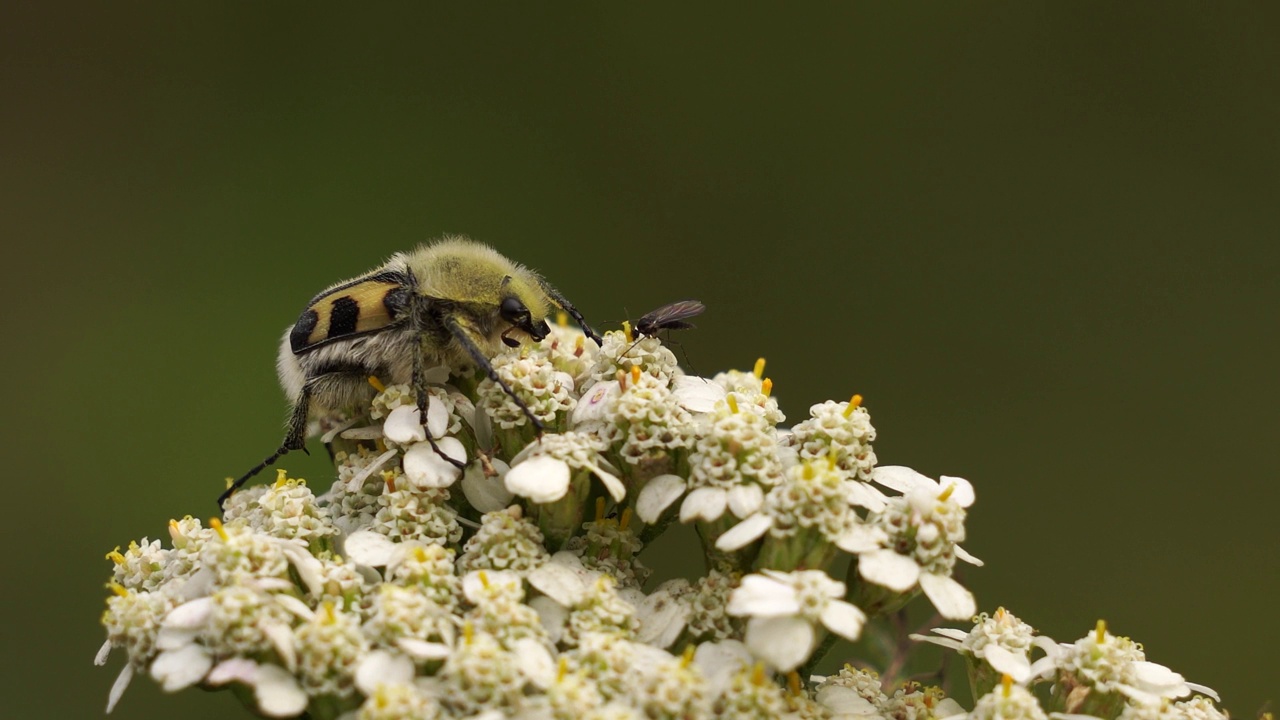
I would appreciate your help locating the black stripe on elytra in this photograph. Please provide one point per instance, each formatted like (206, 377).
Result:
(302, 330)
(343, 316)
(396, 301)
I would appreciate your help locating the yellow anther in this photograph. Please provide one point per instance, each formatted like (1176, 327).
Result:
(484, 579)
(599, 509)
(833, 458)
(468, 632)
(117, 588)
(759, 368)
(808, 471)
(793, 682)
(578, 347)
(216, 524)
(766, 387)
(390, 479)
(625, 520)
(330, 617)
(563, 669)
(382, 445)
(1006, 683)
(626, 331)
(1000, 613)
(562, 319)
(635, 374)
(1101, 632)
(115, 556)
(757, 674)
(282, 477)
(854, 403)
(733, 403)
(419, 554)
(377, 384)
(946, 492)
(686, 659)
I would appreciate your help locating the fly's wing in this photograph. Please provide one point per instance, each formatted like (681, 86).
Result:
(362, 306)
(670, 317)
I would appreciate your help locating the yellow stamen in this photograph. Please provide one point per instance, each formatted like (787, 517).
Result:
(757, 674)
(626, 331)
(382, 445)
(282, 477)
(946, 493)
(1102, 631)
(635, 374)
(563, 669)
(330, 617)
(1000, 613)
(625, 520)
(390, 479)
(115, 556)
(578, 347)
(733, 403)
(833, 459)
(377, 384)
(854, 403)
(759, 369)
(484, 579)
(793, 682)
(468, 632)
(766, 387)
(216, 524)
(808, 471)
(117, 588)
(562, 319)
(686, 659)
(622, 379)
(599, 509)
(1006, 682)
(419, 554)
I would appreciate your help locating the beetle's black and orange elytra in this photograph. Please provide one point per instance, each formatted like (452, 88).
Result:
(450, 302)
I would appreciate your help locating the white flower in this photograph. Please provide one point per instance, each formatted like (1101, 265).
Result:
(657, 495)
(1002, 640)
(484, 491)
(785, 607)
(696, 394)
(425, 468)
(542, 470)
(276, 690)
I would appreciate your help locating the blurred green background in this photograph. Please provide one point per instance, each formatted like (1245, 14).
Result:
(1041, 242)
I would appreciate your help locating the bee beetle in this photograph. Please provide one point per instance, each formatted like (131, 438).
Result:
(448, 302)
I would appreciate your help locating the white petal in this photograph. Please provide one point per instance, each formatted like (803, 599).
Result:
(357, 481)
(278, 692)
(942, 641)
(865, 495)
(560, 583)
(1015, 665)
(953, 600)
(184, 667)
(744, 533)
(1160, 680)
(485, 493)
(295, 606)
(437, 417)
(119, 686)
(174, 638)
(696, 394)
(888, 569)
(366, 547)
(662, 619)
(844, 702)
(964, 555)
(963, 493)
(281, 638)
(843, 619)
(1205, 691)
(657, 495)
(612, 484)
(553, 616)
(382, 667)
(783, 642)
(476, 584)
(762, 596)
(953, 633)
(337, 429)
(423, 650)
(426, 469)
(310, 569)
(404, 425)
(901, 478)
(190, 615)
(1044, 667)
(596, 401)
(103, 652)
(705, 503)
(720, 660)
(949, 708)
(745, 499)
(535, 662)
(861, 538)
(236, 669)
(542, 479)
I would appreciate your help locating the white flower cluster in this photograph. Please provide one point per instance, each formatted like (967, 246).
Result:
(462, 565)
